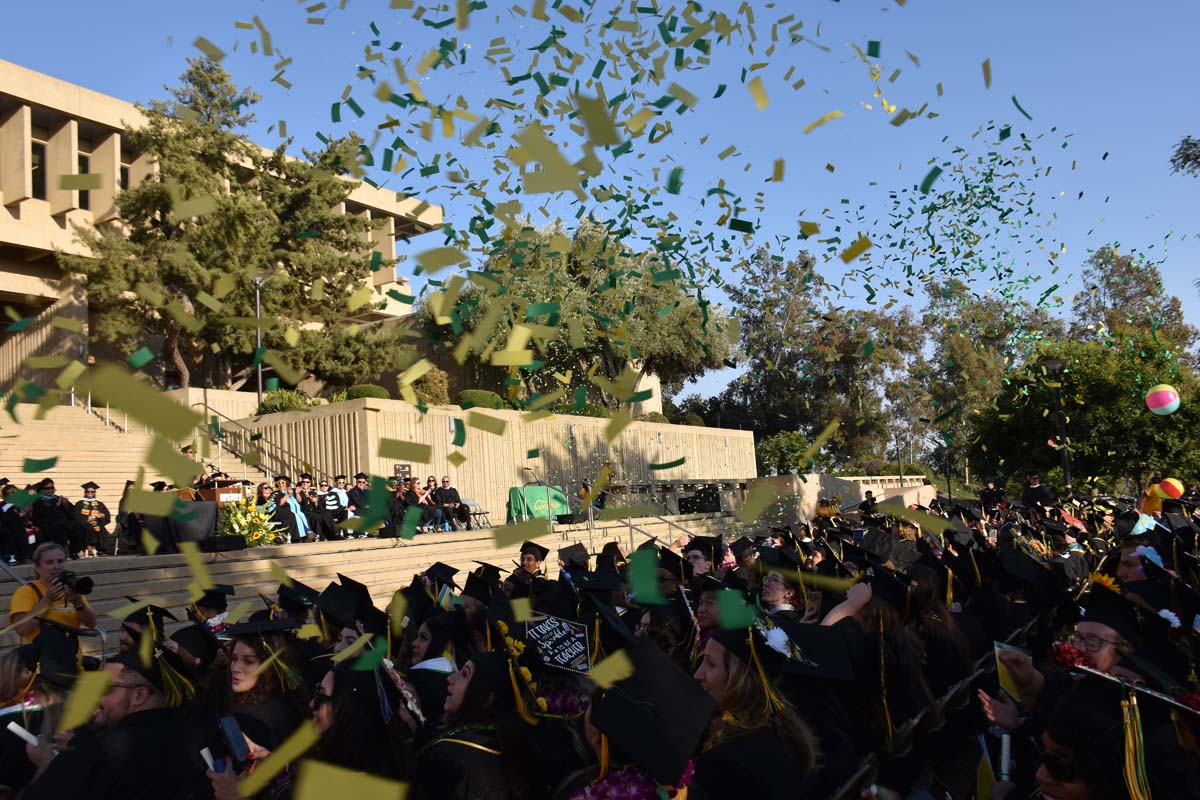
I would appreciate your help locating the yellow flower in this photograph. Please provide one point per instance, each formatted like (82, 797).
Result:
(541, 701)
(1099, 578)
(526, 674)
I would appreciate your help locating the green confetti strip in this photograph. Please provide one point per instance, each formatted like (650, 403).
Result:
(643, 578)
(39, 464)
(930, 178)
(679, 462)
(140, 358)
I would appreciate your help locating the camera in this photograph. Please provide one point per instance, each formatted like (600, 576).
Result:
(77, 584)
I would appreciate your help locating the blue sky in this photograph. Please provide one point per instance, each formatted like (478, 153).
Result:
(1108, 78)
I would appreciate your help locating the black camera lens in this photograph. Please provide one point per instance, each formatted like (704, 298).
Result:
(77, 584)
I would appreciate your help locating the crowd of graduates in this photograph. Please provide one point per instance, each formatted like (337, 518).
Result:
(771, 666)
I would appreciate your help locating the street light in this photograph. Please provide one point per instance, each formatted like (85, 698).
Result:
(1054, 366)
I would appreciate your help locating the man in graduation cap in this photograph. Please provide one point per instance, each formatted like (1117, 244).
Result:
(529, 574)
(96, 517)
(147, 620)
(138, 745)
(211, 607)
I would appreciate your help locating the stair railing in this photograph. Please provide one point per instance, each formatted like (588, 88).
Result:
(272, 458)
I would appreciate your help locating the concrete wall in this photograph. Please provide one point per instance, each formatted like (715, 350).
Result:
(344, 438)
(797, 496)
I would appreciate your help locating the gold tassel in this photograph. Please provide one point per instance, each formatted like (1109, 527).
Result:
(1183, 732)
(522, 712)
(288, 678)
(603, 757)
(803, 589)
(177, 689)
(887, 712)
(773, 702)
(487, 632)
(975, 566)
(949, 587)
(1135, 758)
(596, 646)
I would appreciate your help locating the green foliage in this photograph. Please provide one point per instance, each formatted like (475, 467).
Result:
(283, 400)
(479, 398)
(1186, 158)
(337, 397)
(217, 213)
(362, 390)
(597, 305)
(692, 418)
(433, 388)
(587, 410)
(780, 453)
(653, 416)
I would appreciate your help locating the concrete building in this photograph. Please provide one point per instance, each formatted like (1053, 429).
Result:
(49, 128)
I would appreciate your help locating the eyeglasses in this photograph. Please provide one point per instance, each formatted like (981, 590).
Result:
(1060, 769)
(1089, 642)
(360, 481)
(446, 481)
(324, 485)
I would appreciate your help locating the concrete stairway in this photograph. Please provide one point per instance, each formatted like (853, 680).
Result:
(384, 565)
(87, 450)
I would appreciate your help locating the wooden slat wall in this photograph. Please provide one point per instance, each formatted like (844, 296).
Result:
(345, 438)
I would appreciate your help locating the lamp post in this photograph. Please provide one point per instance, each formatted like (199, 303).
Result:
(258, 282)
(1054, 366)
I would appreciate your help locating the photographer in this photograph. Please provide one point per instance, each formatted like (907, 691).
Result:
(49, 597)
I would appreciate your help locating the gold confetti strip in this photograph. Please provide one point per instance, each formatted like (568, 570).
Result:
(812, 126)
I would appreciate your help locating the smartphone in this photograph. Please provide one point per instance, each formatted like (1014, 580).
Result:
(235, 742)
(859, 533)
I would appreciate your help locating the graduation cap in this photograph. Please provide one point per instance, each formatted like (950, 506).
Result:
(967, 512)
(158, 486)
(1105, 605)
(338, 605)
(360, 590)
(361, 476)
(54, 650)
(216, 598)
(262, 627)
(613, 551)
(442, 574)
(148, 614)
(657, 716)
(90, 485)
(711, 547)
(574, 554)
(602, 580)
(741, 546)
(706, 583)
(297, 598)
(535, 549)
(673, 564)
(164, 671)
(199, 642)
(479, 587)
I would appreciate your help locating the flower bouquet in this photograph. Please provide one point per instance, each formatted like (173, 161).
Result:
(246, 520)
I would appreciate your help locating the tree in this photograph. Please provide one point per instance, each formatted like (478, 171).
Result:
(181, 265)
(585, 306)
(1114, 440)
(1186, 158)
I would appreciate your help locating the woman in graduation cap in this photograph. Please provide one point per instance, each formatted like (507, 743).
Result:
(758, 746)
(354, 710)
(484, 750)
(431, 663)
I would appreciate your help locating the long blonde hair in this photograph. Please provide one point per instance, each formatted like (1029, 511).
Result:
(16, 681)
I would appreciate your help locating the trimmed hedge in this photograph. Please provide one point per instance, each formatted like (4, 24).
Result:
(282, 400)
(479, 398)
(653, 416)
(367, 390)
(692, 418)
(588, 410)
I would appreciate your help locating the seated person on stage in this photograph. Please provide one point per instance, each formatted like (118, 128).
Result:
(47, 597)
(453, 509)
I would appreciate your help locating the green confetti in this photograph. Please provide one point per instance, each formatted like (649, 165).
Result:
(675, 181)
(930, 178)
(873, 49)
(460, 433)
(1023, 111)
(412, 518)
(39, 464)
(533, 453)
(679, 462)
(140, 358)
(732, 611)
(643, 578)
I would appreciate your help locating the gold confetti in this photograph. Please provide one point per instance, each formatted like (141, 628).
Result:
(612, 670)
(812, 126)
(759, 92)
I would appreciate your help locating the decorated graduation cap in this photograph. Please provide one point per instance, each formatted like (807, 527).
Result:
(90, 485)
(158, 486)
(535, 549)
(574, 555)
(655, 718)
(1104, 604)
(52, 655)
(216, 598)
(889, 587)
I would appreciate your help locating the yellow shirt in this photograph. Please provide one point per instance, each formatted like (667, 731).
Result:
(1151, 501)
(26, 598)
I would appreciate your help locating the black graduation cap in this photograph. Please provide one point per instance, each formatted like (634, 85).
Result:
(740, 546)
(158, 486)
(283, 478)
(600, 581)
(536, 549)
(889, 587)
(339, 605)
(479, 587)
(711, 546)
(735, 582)
(657, 716)
(90, 485)
(142, 615)
(297, 598)
(55, 649)
(613, 550)
(217, 597)
(199, 641)
(967, 511)
(373, 621)
(165, 672)
(1021, 566)
(361, 476)
(673, 564)
(261, 627)
(442, 574)
(789, 649)
(706, 583)
(574, 554)
(304, 476)
(1107, 607)
(360, 590)
(1159, 659)
(878, 542)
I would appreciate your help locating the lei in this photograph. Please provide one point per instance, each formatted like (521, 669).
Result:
(630, 783)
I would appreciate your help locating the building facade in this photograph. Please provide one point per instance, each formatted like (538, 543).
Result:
(50, 128)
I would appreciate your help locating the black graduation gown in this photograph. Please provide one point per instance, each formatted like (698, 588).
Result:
(96, 518)
(56, 522)
(16, 770)
(755, 764)
(430, 686)
(462, 765)
(14, 539)
(145, 757)
(269, 721)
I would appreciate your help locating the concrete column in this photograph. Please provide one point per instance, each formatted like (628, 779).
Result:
(142, 167)
(62, 158)
(384, 238)
(16, 137)
(106, 160)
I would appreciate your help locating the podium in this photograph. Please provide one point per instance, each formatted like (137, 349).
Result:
(223, 492)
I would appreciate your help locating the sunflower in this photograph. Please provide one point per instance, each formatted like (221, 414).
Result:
(1100, 579)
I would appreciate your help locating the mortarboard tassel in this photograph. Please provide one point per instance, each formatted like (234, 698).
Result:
(887, 712)
(522, 712)
(287, 676)
(177, 689)
(774, 703)
(1183, 732)
(803, 588)
(604, 757)
(975, 566)
(1135, 755)
(949, 588)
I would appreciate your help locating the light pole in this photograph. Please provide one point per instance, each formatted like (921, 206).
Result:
(258, 282)
(1054, 366)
